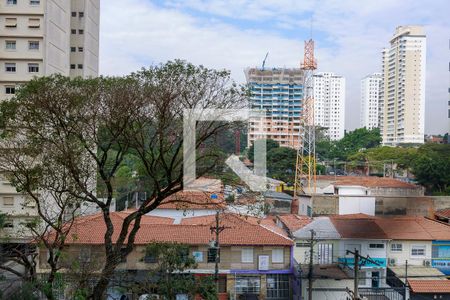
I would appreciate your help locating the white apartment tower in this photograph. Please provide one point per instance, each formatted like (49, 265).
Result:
(329, 103)
(39, 38)
(370, 96)
(43, 37)
(402, 100)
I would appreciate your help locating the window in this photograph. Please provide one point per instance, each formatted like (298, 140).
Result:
(8, 201)
(74, 14)
(10, 67)
(80, 31)
(35, 2)
(248, 284)
(85, 255)
(10, 90)
(278, 255)
(72, 66)
(8, 224)
(73, 31)
(325, 253)
(277, 286)
(150, 258)
(80, 49)
(418, 250)
(376, 246)
(80, 14)
(396, 247)
(10, 45)
(34, 23)
(73, 49)
(301, 245)
(11, 2)
(33, 68)
(80, 66)
(247, 255)
(11, 22)
(212, 253)
(33, 45)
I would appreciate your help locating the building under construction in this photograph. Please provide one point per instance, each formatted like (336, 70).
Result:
(278, 93)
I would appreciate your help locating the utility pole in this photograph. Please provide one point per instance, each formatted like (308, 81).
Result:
(356, 281)
(217, 229)
(311, 262)
(357, 258)
(406, 281)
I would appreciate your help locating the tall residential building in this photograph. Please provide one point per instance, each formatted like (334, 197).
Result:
(43, 37)
(402, 100)
(278, 93)
(39, 38)
(370, 96)
(329, 103)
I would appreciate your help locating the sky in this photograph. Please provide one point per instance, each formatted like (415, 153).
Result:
(234, 34)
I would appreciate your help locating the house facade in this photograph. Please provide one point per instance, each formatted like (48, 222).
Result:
(255, 258)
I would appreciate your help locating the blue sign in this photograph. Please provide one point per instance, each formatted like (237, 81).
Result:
(441, 256)
(213, 196)
(350, 262)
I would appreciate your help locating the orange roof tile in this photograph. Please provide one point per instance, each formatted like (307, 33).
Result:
(373, 181)
(443, 213)
(365, 228)
(294, 222)
(239, 231)
(191, 200)
(429, 286)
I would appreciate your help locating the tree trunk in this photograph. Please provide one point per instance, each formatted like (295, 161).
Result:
(107, 272)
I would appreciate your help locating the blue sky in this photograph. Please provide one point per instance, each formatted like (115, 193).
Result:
(236, 34)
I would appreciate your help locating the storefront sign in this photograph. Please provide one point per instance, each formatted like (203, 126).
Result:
(263, 262)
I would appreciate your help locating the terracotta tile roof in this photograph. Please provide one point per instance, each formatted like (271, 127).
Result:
(192, 200)
(373, 181)
(430, 286)
(443, 213)
(396, 228)
(294, 222)
(365, 228)
(239, 231)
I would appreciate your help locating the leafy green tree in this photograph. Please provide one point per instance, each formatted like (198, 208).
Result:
(171, 261)
(270, 144)
(432, 168)
(82, 130)
(281, 163)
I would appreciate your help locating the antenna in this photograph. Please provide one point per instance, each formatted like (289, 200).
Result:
(264, 61)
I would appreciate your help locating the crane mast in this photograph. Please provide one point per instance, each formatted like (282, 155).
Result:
(305, 168)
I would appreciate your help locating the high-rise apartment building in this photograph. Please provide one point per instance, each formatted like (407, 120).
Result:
(43, 37)
(329, 103)
(278, 93)
(370, 96)
(39, 38)
(402, 100)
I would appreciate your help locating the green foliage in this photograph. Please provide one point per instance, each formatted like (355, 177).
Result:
(270, 144)
(172, 260)
(352, 142)
(281, 163)
(432, 168)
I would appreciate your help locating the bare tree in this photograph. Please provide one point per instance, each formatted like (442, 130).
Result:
(88, 126)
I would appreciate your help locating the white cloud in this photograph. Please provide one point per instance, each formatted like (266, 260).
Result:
(136, 33)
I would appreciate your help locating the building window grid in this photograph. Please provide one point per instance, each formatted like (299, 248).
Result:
(396, 247)
(10, 90)
(10, 45)
(277, 286)
(418, 250)
(248, 284)
(33, 68)
(10, 67)
(33, 45)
